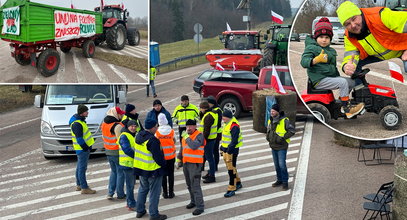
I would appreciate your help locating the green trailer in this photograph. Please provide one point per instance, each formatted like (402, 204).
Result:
(35, 30)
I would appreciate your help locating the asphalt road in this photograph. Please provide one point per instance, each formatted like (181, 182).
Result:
(75, 68)
(367, 126)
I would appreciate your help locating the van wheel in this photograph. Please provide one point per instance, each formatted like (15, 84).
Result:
(390, 117)
(232, 105)
(320, 112)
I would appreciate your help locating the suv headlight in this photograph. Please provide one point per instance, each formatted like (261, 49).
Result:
(46, 129)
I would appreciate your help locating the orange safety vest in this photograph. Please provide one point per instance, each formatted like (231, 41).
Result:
(192, 156)
(109, 139)
(167, 144)
(387, 38)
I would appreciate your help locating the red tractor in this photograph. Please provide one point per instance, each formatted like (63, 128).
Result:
(115, 30)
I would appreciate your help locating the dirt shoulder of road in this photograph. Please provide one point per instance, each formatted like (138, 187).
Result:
(12, 98)
(133, 63)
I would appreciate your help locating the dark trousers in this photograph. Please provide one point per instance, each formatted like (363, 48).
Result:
(216, 153)
(169, 168)
(180, 130)
(192, 173)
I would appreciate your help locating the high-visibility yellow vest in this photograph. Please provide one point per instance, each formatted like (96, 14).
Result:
(125, 160)
(153, 73)
(227, 137)
(220, 128)
(87, 136)
(143, 158)
(137, 122)
(182, 114)
(280, 129)
(214, 126)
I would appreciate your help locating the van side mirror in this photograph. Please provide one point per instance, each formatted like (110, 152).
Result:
(38, 101)
(122, 97)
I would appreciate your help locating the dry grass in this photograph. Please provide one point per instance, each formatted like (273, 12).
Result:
(130, 62)
(12, 98)
(143, 34)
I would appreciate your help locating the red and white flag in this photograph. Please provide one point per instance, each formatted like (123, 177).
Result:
(276, 83)
(234, 66)
(122, 5)
(395, 71)
(228, 27)
(102, 4)
(73, 7)
(276, 18)
(219, 67)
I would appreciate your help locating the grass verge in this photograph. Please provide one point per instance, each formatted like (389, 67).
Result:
(133, 63)
(12, 98)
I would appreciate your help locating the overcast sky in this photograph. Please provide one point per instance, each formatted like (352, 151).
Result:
(137, 8)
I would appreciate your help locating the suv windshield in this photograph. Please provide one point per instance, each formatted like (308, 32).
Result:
(78, 94)
(240, 42)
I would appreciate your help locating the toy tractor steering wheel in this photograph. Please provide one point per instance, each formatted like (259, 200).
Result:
(360, 74)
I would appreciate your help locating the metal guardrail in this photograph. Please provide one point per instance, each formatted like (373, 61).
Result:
(179, 59)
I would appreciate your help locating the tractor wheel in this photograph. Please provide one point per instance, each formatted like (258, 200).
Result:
(390, 117)
(65, 49)
(88, 49)
(116, 37)
(21, 59)
(133, 37)
(320, 112)
(268, 57)
(233, 105)
(48, 62)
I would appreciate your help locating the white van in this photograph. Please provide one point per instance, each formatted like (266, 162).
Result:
(338, 29)
(61, 102)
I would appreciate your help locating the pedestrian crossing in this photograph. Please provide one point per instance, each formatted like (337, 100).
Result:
(140, 51)
(37, 189)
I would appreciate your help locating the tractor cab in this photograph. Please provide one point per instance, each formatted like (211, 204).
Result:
(397, 5)
(240, 40)
(275, 50)
(113, 11)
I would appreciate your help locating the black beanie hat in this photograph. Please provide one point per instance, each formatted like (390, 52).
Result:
(212, 100)
(276, 107)
(82, 108)
(129, 108)
(227, 113)
(157, 102)
(191, 122)
(130, 123)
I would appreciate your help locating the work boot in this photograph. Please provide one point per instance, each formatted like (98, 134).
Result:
(197, 211)
(155, 96)
(78, 188)
(229, 194)
(109, 197)
(277, 183)
(158, 217)
(141, 214)
(285, 186)
(122, 197)
(239, 185)
(171, 195)
(165, 195)
(190, 206)
(351, 111)
(88, 191)
(205, 177)
(210, 179)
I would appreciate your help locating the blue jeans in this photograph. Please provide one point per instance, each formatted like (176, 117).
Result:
(152, 88)
(116, 180)
(129, 176)
(152, 185)
(279, 157)
(81, 168)
(208, 150)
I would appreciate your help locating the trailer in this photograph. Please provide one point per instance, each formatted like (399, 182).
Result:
(35, 31)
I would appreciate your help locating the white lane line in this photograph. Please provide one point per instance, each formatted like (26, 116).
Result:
(20, 157)
(236, 204)
(143, 76)
(131, 54)
(99, 73)
(20, 123)
(61, 69)
(80, 77)
(119, 73)
(103, 50)
(142, 53)
(297, 199)
(143, 50)
(260, 212)
(116, 52)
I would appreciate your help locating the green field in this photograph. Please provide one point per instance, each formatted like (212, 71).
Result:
(12, 98)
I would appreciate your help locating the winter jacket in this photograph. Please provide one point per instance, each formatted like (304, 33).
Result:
(276, 142)
(208, 122)
(116, 130)
(320, 70)
(153, 114)
(78, 131)
(154, 147)
(133, 117)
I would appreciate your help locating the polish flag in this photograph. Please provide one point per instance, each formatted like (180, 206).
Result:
(228, 27)
(122, 5)
(73, 7)
(276, 18)
(395, 71)
(276, 83)
(102, 4)
(219, 67)
(234, 66)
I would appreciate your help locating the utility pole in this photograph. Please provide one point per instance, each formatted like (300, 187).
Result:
(245, 4)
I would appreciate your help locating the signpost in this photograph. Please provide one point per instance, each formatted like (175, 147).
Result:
(198, 36)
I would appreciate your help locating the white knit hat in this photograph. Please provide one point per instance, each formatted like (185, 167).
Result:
(162, 120)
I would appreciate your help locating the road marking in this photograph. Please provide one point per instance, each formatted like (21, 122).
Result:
(61, 70)
(260, 212)
(20, 123)
(297, 199)
(142, 53)
(120, 74)
(103, 50)
(78, 69)
(131, 54)
(99, 73)
(20, 157)
(143, 76)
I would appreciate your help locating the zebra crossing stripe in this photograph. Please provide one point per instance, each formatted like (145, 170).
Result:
(119, 73)
(99, 73)
(260, 212)
(131, 54)
(78, 69)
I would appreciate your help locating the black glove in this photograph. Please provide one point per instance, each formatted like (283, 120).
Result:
(85, 147)
(280, 140)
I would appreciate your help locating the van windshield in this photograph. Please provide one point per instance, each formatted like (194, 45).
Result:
(78, 94)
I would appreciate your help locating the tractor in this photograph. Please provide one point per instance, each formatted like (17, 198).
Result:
(115, 30)
(275, 49)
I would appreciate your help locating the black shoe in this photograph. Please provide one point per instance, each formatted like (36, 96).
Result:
(205, 177)
(159, 217)
(141, 214)
(197, 211)
(190, 206)
(210, 179)
(155, 96)
(277, 183)
(171, 195)
(239, 185)
(285, 186)
(229, 194)
(165, 195)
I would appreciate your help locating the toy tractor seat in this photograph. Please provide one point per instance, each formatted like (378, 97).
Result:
(312, 90)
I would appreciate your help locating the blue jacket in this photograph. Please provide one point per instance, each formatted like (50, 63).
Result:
(125, 145)
(153, 114)
(154, 147)
(78, 131)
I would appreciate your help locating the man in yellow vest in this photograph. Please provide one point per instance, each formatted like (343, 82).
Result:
(372, 35)
(279, 131)
(191, 154)
(131, 114)
(149, 164)
(82, 141)
(111, 129)
(209, 127)
(153, 74)
(183, 112)
(232, 140)
(127, 144)
(213, 105)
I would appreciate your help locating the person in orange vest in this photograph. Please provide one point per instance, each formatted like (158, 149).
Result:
(111, 130)
(166, 135)
(372, 35)
(191, 154)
